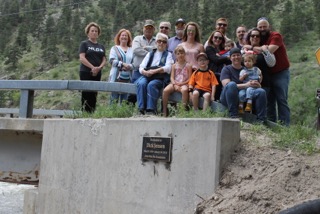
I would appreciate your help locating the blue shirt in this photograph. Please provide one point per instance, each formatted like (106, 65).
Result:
(172, 44)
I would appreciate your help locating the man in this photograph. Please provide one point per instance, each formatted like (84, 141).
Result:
(177, 39)
(141, 45)
(232, 84)
(241, 32)
(280, 74)
(165, 27)
(222, 26)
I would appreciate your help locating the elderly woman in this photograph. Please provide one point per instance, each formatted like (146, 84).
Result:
(92, 57)
(155, 69)
(120, 59)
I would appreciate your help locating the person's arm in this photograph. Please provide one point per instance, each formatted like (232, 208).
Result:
(172, 74)
(137, 46)
(143, 65)
(213, 93)
(260, 75)
(84, 61)
(216, 59)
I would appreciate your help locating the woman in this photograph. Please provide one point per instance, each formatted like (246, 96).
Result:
(120, 58)
(254, 41)
(155, 69)
(192, 44)
(216, 44)
(93, 59)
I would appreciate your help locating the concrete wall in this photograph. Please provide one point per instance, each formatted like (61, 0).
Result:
(95, 166)
(20, 147)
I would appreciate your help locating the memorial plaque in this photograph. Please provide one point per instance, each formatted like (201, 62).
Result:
(157, 148)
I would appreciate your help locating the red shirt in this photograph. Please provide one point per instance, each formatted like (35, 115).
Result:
(282, 61)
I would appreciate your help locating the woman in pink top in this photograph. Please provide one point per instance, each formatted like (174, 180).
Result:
(180, 75)
(192, 44)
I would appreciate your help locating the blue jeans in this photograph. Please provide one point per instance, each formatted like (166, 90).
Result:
(229, 98)
(116, 97)
(148, 93)
(135, 76)
(278, 96)
(245, 94)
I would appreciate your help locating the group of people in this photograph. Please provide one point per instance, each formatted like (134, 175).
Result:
(250, 74)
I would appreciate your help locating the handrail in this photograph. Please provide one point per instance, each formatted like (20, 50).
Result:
(27, 88)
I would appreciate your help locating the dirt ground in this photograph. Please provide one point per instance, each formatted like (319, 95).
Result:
(261, 179)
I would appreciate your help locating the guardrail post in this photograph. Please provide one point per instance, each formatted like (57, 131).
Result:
(26, 103)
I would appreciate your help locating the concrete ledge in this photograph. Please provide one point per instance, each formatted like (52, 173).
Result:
(19, 124)
(95, 166)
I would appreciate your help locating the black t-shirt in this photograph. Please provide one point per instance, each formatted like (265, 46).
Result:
(229, 72)
(94, 53)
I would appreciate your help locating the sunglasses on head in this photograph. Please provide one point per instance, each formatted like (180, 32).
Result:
(217, 37)
(222, 24)
(163, 27)
(255, 36)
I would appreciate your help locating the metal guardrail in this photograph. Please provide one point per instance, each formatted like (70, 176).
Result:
(27, 88)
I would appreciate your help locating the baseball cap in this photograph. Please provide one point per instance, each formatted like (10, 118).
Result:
(180, 21)
(235, 50)
(202, 54)
(149, 22)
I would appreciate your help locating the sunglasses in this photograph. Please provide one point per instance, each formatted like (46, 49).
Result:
(241, 31)
(161, 41)
(191, 30)
(163, 27)
(222, 24)
(217, 37)
(255, 36)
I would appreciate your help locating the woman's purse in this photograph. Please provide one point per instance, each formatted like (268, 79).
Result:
(269, 58)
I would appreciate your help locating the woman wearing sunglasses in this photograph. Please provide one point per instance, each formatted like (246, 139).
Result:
(216, 44)
(254, 40)
(155, 69)
(192, 44)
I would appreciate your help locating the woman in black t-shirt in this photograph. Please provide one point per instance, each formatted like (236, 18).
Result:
(93, 58)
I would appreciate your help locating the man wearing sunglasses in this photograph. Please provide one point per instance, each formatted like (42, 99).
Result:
(177, 39)
(165, 27)
(222, 26)
(280, 74)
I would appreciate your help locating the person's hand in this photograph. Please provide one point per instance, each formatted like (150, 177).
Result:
(126, 67)
(264, 48)
(254, 84)
(95, 71)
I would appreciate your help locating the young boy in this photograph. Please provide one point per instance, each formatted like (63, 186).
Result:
(228, 45)
(202, 83)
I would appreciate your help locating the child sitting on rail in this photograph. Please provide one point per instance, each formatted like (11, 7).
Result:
(180, 75)
(202, 83)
